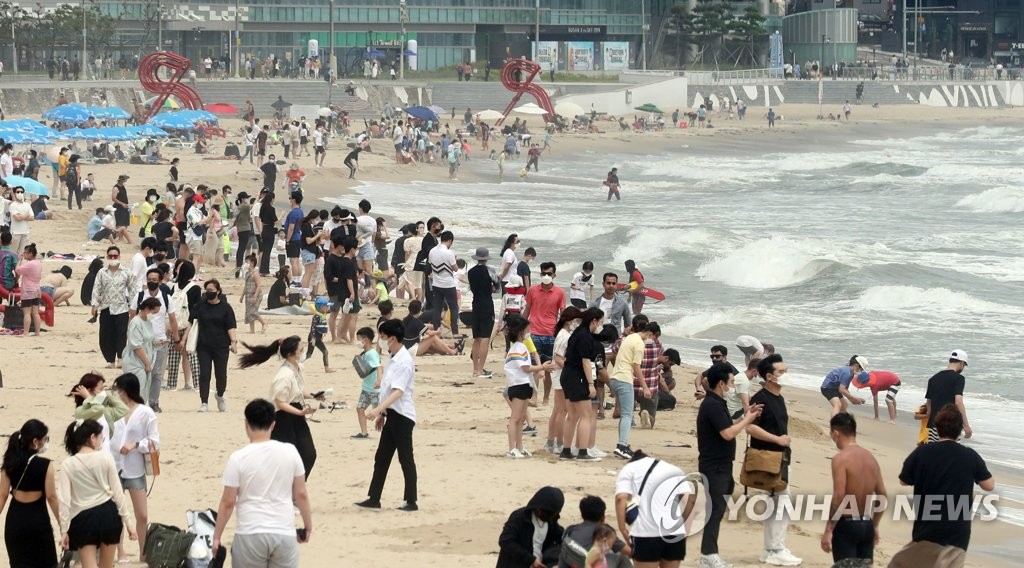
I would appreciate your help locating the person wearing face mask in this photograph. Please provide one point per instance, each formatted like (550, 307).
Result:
(443, 284)
(430, 240)
(30, 481)
(217, 335)
(577, 378)
(770, 431)
(93, 402)
(716, 447)
(113, 286)
(288, 394)
(164, 322)
(140, 262)
(139, 350)
(544, 304)
(532, 536)
(93, 511)
(21, 215)
(147, 213)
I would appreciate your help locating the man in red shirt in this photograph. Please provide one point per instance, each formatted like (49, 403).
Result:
(880, 381)
(544, 303)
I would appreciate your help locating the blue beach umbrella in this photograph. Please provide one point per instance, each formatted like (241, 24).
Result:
(31, 186)
(148, 130)
(109, 113)
(72, 113)
(173, 121)
(422, 113)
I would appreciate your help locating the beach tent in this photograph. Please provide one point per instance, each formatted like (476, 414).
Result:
(422, 113)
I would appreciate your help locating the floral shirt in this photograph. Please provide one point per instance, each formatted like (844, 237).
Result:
(112, 290)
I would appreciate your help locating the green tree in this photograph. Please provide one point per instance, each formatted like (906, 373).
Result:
(705, 27)
(748, 30)
(66, 24)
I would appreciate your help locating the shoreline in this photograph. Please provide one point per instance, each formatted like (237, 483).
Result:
(467, 487)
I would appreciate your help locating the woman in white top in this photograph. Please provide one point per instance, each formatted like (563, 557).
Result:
(134, 436)
(92, 507)
(411, 280)
(288, 394)
(395, 418)
(139, 349)
(567, 322)
(509, 262)
(518, 370)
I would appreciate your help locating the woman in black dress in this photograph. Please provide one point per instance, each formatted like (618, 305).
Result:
(29, 479)
(268, 231)
(278, 296)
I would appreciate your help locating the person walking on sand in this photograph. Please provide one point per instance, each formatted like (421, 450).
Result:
(771, 118)
(846, 110)
(266, 481)
(612, 183)
(369, 373)
(852, 532)
(943, 475)
(30, 480)
(483, 283)
(770, 432)
(947, 387)
(110, 294)
(836, 386)
(395, 418)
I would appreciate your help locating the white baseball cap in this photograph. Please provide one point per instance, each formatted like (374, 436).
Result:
(959, 355)
(863, 362)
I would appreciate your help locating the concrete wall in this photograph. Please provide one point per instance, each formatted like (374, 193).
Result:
(667, 95)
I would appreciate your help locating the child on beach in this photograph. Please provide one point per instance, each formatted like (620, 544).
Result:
(922, 416)
(253, 295)
(370, 394)
(604, 539)
(519, 368)
(317, 329)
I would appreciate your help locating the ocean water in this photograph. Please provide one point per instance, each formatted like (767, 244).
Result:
(899, 249)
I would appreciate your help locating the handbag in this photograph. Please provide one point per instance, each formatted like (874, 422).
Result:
(152, 460)
(193, 338)
(762, 469)
(167, 546)
(362, 368)
(633, 507)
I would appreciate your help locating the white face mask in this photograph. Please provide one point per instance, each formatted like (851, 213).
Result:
(574, 325)
(113, 263)
(45, 448)
(151, 199)
(546, 280)
(19, 196)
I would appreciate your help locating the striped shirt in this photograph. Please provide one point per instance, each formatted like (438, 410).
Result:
(649, 367)
(517, 357)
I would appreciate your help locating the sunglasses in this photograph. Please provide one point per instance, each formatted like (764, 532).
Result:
(113, 256)
(17, 192)
(547, 273)
(716, 356)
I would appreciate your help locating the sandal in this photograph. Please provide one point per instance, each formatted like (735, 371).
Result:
(460, 344)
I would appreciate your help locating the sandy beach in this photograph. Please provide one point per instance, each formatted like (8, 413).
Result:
(467, 486)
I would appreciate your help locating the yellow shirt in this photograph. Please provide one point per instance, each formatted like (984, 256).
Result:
(146, 213)
(631, 352)
(62, 165)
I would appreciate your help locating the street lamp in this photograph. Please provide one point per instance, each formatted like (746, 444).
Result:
(330, 66)
(402, 16)
(643, 34)
(84, 65)
(14, 44)
(238, 44)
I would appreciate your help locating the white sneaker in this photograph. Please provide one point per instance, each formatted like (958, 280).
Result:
(645, 419)
(525, 452)
(203, 407)
(222, 404)
(515, 454)
(713, 561)
(782, 558)
(549, 446)
(558, 448)
(597, 453)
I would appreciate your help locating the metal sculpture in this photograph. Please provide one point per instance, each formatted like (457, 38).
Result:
(517, 76)
(149, 76)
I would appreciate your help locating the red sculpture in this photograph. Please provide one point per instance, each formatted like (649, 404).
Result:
(149, 76)
(515, 82)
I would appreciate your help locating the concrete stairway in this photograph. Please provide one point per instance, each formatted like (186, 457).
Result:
(310, 93)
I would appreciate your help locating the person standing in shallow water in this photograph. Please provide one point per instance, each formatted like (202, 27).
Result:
(612, 183)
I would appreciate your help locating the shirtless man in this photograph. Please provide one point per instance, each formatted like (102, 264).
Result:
(55, 285)
(854, 515)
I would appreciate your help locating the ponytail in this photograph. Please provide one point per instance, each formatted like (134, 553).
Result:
(262, 353)
(19, 446)
(78, 433)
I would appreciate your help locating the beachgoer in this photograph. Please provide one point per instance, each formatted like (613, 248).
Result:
(369, 392)
(581, 288)
(93, 511)
(592, 511)
(947, 387)
(293, 232)
(20, 211)
(266, 481)
(30, 481)
(55, 285)
(544, 304)
(634, 289)
(518, 370)
(612, 183)
(395, 418)
(110, 294)
(753, 349)
(879, 381)
(770, 431)
(567, 321)
(134, 436)
(625, 374)
(658, 535)
(509, 261)
(119, 196)
(267, 223)
(851, 532)
(613, 304)
(771, 118)
(139, 355)
(483, 283)
(186, 295)
(943, 474)
(836, 386)
(29, 270)
(581, 355)
(217, 335)
(716, 452)
(532, 537)
(737, 399)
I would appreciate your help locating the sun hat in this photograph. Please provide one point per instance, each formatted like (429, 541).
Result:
(482, 254)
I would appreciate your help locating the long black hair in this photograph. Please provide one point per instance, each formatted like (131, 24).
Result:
(78, 433)
(508, 243)
(515, 325)
(128, 383)
(261, 353)
(186, 272)
(19, 447)
(568, 314)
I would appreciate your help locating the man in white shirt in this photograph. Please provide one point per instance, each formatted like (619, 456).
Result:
(581, 290)
(163, 321)
(396, 139)
(366, 229)
(319, 149)
(665, 501)
(140, 262)
(263, 479)
(443, 285)
(6, 162)
(20, 211)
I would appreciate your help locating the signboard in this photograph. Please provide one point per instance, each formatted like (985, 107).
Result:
(387, 43)
(313, 48)
(546, 54)
(574, 32)
(616, 55)
(777, 57)
(581, 56)
(973, 27)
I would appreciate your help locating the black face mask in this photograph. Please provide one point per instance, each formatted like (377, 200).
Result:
(159, 257)
(152, 286)
(211, 294)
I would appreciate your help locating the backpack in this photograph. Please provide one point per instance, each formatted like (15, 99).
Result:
(167, 546)
(165, 292)
(71, 177)
(182, 309)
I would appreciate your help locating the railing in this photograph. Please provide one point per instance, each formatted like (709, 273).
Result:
(886, 73)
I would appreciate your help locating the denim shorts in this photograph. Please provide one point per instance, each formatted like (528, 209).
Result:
(133, 483)
(545, 346)
(367, 252)
(307, 257)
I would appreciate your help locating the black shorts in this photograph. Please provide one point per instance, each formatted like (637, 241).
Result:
(303, 140)
(122, 217)
(482, 326)
(28, 303)
(319, 150)
(853, 538)
(520, 392)
(102, 234)
(575, 391)
(656, 549)
(291, 249)
(830, 393)
(576, 302)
